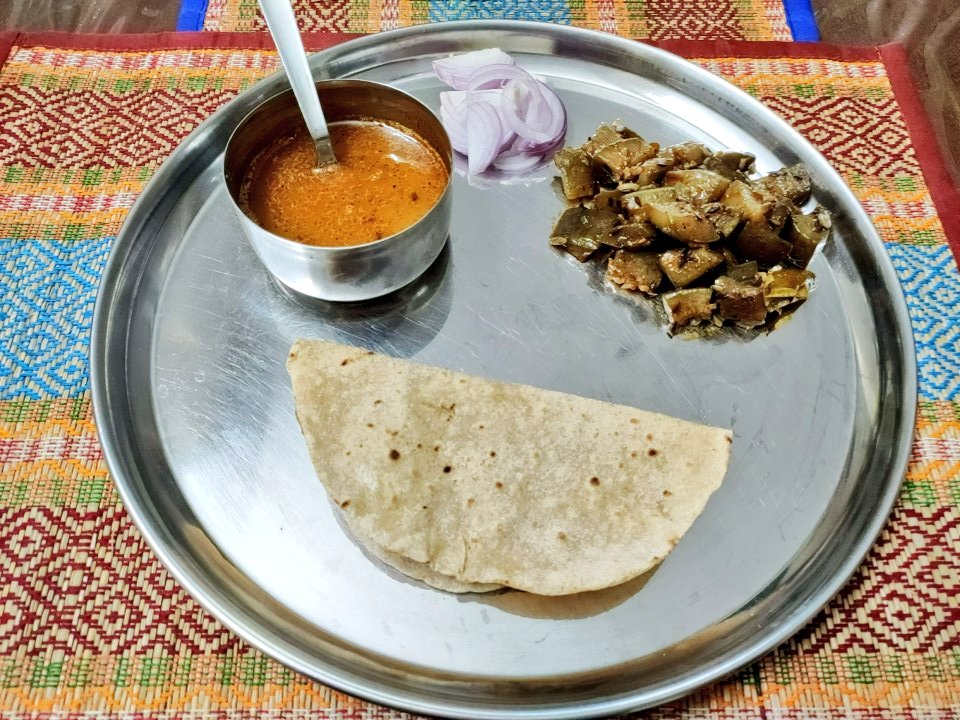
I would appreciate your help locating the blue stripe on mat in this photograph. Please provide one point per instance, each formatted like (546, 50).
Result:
(192, 15)
(47, 294)
(555, 11)
(931, 285)
(803, 25)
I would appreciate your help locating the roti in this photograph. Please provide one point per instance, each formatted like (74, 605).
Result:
(421, 571)
(496, 483)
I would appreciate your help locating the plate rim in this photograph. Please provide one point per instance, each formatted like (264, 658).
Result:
(205, 596)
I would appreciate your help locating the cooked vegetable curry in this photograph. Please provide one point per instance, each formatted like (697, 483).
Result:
(385, 180)
(718, 244)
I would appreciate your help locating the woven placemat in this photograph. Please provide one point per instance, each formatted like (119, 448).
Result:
(653, 19)
(91, 624)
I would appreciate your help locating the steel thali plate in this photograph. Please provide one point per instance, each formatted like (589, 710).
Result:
(196, 416)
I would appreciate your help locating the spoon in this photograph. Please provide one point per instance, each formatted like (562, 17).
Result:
(286, 36)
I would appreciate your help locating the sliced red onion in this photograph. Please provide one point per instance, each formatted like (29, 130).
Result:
(559, 115)
(456, 69)
(455, 122)
(452, 99)
(484, 134)
(453, 115)
(514, 161)
(555, 120)
(498, 114)
(515, 96)
(495, 77)
(536, 148)
(507, 135)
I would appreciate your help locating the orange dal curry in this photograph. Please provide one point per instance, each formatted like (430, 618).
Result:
(385, 180)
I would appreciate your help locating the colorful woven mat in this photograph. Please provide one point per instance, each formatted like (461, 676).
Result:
(92, 625)
(653, 19)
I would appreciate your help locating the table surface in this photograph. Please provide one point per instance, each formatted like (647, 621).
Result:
(927, 28)
(89, 621)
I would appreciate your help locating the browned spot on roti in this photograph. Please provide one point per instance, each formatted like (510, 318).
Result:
(595, 481)
(652, 452)
(394, 454)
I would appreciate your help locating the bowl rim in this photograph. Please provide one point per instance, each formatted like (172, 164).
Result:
(299, 247)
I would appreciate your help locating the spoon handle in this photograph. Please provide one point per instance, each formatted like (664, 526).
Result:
(286, 36)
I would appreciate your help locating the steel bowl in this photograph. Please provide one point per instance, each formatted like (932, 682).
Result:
(356, 272)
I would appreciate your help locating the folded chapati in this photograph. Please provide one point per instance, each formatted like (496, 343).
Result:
(420, 571)
(492, 483)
